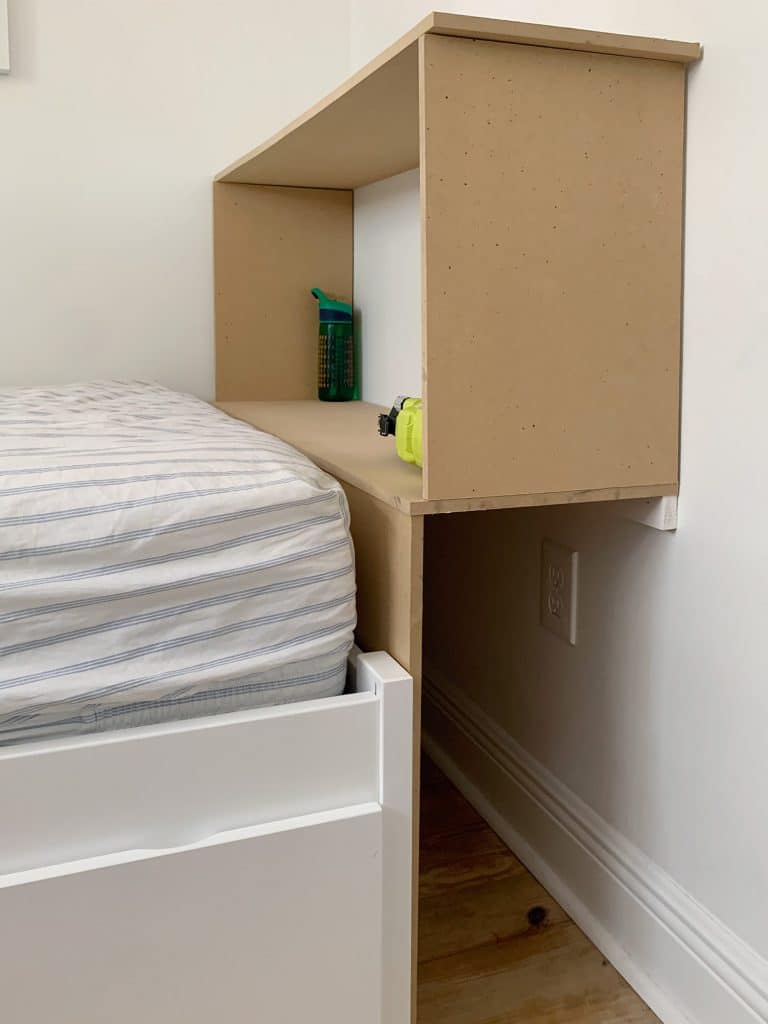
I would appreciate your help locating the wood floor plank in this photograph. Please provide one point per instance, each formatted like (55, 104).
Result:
(485, 913)
(440, 877)
(475, 842)
(553, 977)
(430, 773)
(482, 959)
(445, 813)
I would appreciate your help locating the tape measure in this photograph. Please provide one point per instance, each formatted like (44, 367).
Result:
(404, 421)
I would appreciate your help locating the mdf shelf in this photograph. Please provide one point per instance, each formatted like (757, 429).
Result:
(341, 438)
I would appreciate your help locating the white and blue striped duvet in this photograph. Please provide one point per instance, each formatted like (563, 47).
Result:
(158, 561)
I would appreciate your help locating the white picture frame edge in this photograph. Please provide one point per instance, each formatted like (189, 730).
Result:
(5, 47)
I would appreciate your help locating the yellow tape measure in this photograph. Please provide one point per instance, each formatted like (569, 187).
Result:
(405, 420)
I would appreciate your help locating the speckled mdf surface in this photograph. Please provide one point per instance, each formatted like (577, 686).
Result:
(552, 203)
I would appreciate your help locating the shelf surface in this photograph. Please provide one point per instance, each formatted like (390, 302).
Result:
(368, 128)
(342, 438)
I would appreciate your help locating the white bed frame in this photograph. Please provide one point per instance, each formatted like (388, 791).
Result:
(246, 867)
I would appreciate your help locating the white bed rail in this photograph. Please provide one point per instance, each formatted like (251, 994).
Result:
(163, 874)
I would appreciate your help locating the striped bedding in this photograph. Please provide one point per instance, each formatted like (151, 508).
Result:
(158, 561)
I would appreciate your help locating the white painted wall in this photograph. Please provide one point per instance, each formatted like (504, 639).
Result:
(112, 123)
(388, 287)
(658, 718)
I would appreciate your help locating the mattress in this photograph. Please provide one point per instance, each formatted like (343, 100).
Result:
(160, 560)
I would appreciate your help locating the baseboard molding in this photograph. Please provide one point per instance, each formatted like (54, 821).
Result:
(684, 962)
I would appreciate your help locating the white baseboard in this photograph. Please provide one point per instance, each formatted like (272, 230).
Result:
(684, 962)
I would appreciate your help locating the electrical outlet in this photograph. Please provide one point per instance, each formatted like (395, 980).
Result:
(559, 588)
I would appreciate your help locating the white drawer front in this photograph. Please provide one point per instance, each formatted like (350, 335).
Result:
(173, 784)
(270, 927)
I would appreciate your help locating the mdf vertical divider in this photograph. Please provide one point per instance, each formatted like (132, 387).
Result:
(424, 256)
(272, 244)
(417, 646)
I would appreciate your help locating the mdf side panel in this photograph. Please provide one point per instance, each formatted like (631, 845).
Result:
(551, 217)
(272, 245)
(388, 565)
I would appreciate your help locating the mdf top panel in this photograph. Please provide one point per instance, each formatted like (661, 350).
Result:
(367, 129)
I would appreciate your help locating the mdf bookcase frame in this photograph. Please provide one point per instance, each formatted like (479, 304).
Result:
(551, 170)
(551, 174)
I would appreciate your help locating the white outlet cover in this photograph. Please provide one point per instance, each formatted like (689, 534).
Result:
(559, 590)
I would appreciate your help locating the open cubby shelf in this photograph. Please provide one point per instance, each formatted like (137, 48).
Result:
(551, 181)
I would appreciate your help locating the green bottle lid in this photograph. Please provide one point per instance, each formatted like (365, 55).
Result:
(332, 310)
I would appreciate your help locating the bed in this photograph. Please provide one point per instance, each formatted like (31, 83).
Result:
(159, 560)
(205, 790)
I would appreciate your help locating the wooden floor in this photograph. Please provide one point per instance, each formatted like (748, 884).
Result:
(494, 947)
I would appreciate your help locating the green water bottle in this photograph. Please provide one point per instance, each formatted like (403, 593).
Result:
(336, 363)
